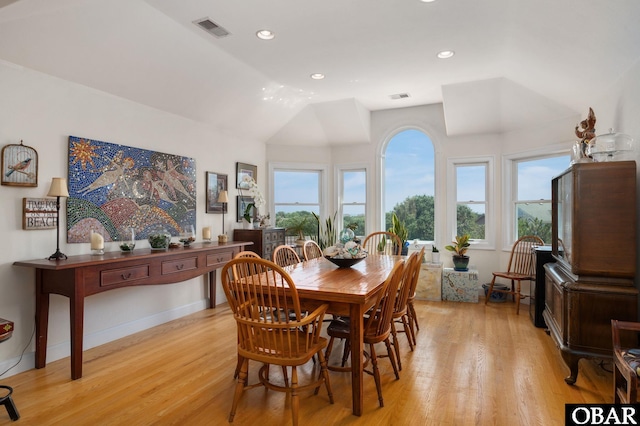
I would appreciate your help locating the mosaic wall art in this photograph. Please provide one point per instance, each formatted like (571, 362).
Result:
(115, 187)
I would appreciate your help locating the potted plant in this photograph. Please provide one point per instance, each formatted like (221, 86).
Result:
(326, 232)
(435, 254)
(459, 247)
(297, 228)
(248, 216)
(398, 228)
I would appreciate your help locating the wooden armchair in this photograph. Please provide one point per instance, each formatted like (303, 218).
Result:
(255, 288)
(626, 362)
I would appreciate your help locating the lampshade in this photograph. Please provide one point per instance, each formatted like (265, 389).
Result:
(223, 197)
(58, 188)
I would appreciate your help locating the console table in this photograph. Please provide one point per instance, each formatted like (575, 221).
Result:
(80, 276)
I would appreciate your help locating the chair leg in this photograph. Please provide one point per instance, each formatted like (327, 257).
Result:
(408, 332)
(488, 297)
(376, 373)
(392, 358)
(295, 398)
(413, 319)
(346, 352)
(396, 344)
(327, 352)
(516, 295)
(324, 372)
(240, 385)
(8, 403)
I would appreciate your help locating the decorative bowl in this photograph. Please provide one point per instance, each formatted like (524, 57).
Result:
(344, 263)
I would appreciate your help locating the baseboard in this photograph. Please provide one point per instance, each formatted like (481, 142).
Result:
(63, 349)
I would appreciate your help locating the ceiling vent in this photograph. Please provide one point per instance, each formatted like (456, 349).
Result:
(212, 28)
(399, 96)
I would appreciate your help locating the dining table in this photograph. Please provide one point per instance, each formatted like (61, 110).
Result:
(349, 291)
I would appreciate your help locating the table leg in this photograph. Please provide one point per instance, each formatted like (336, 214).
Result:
(42, 321)
(212, 289)
(76, 312)
(357, 348)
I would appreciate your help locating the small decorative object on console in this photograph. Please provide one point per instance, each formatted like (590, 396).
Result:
(159, 238)
(6, 329)
(187, 236)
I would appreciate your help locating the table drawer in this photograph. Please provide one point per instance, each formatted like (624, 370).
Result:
(123, 275)
(219, 258)
(179, 265)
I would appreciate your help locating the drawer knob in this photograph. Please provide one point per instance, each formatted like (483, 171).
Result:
(180, 267)
(126, 276)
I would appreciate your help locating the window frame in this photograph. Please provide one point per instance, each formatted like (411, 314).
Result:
(510, 186)
(489, 241)
(322, 169)
(339, 191)
(379, 216)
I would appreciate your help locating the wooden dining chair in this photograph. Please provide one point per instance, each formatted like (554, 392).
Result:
(412, 317)
(400, 308)
(284, 255)
(255, 287)
(377, 327)
(311, 250)
(382, 242)
(521, 267)
(247, 253)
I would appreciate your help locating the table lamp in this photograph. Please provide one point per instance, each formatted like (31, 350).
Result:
(58, 189)
(223, 198)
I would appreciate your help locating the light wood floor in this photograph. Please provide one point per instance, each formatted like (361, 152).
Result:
(474, 364)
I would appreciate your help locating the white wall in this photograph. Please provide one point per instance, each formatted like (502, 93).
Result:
(43, 111)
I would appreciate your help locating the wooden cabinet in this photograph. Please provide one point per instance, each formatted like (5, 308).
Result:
(536, 306)
(264, 240)
(594, 244)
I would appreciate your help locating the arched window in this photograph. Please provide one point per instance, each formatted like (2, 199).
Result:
(409, 183)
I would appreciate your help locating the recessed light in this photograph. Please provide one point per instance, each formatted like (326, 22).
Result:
(446, 54)
(317, 76)
(265, 35)
(427, 1)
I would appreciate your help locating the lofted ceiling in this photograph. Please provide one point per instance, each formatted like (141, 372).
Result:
(517, 63)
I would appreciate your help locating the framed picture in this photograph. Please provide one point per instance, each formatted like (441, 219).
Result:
(216, 183)
(242, 170)
(242, 203)
(19, 165)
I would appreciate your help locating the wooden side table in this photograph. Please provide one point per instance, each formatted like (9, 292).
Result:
(6, 330)
(460, 286)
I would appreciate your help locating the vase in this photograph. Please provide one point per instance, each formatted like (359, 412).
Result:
(159, 238)
(247, 224)
(435, 257)
(461, 263)
(127, 239)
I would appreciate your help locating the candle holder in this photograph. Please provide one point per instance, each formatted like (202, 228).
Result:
(206, 235)
(97, 242)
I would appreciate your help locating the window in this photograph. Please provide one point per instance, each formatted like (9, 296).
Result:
(469, 183)
(409, 183)
(529, 195)
(298, 194)
(353, 199)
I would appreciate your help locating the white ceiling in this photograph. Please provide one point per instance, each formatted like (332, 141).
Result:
(517, 62)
